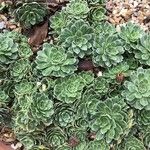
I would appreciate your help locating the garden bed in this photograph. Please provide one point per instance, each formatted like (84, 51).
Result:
(75, 75)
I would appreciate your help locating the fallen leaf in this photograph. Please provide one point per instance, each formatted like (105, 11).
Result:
(39, 34)
(3, 146)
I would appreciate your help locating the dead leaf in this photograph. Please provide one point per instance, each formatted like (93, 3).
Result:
(39, 34)
(3, 146)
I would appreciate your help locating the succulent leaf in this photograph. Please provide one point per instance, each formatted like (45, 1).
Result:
(110, 122)
(42, 108)
(98, 14)
(146, 139)
(58, 21)
(56, 137)
(54, 61)
(137, 89)
(107, 50)
(20, 69)
(122, 68)
(64, 115)
(96, 2)
(130, 33)
(4, 98)
(132, 143)
(142, 51)
(70, 88)
(77, 37)
(8, 50)
(23, 88)
(144, 120)
(77, 9)
(104, 28)
(30, 14)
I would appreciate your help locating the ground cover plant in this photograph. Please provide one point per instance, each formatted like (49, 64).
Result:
(86, 89)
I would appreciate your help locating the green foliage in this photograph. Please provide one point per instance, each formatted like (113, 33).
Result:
(63, 147)
(4, 98)
(122, 68)
(98, 14)
(58, 21)
(107, 50)
(42, 108)
(104, 28)
(20, 69)
(8, 51)
(88, 104)
(144, 120)
(64, 115)
(86, 88)
(78, 131)
(146, 139)
(30, 14)
(24, 87)
(93, 145)
(96, 2)
(5, 117)
(54, 61)
(70, 88)
(56, 137)
(137, 89)
(77, 9)
(77, 37)
(101, 86)
(132, 142)
(130, 33)
(28, 141)
(37, 111)
(110, 121)
(96, 145)
(142, 51)
(11, 47)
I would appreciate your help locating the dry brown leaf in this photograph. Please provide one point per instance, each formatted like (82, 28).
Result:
(39, 34)
(3, 146)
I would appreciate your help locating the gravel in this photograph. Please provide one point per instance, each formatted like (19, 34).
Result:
(137, 11)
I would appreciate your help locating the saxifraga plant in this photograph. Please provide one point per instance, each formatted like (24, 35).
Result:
(51, 102)
(30, 14)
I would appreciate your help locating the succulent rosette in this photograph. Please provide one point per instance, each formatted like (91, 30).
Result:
(54, 61)
(30, 14)
(130, 33)
(137, 89)
(42, 108)
(77, 37)
(107, 50)
(58, 21)
(98, 14)
(142, 51)
(8, 51)
(64, 115)
(70, 88)
(110, 121)
(104, 27)
(56, 137)
(20, 69)
(77, 9)
(131, 142)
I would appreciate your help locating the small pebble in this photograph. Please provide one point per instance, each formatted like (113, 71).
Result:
(99, 74)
